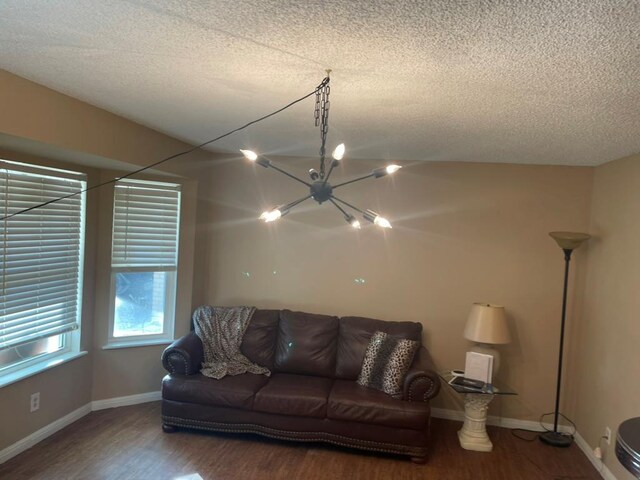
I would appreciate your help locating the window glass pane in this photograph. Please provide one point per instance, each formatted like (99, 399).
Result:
(30, 351)
(140, 303)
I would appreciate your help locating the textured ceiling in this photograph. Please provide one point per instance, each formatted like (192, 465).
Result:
(550, 82)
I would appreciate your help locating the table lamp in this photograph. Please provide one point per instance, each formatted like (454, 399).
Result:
(487, 326)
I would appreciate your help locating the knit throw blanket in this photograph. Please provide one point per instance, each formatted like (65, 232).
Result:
(221, 330)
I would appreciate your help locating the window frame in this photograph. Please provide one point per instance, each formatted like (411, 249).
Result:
(171, 290)
(71, 340)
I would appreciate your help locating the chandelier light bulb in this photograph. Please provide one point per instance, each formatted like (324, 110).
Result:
(376, 219)
(338, 153)
(271, 215)
(382, 222)
(351, 220)
(382, 171)
(249, 155)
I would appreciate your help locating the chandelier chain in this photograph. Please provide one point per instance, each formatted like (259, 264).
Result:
(324, 91)
(316, 113)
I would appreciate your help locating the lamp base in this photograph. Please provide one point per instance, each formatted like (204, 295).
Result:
(556, 439)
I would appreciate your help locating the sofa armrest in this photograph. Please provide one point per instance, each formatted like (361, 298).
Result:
(184, 356)
(422, 382)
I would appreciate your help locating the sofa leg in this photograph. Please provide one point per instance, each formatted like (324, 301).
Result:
(168, 428)
(419, 460)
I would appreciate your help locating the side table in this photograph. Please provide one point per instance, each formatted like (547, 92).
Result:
(473, 434)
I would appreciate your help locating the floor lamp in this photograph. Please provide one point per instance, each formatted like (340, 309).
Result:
(568, 242)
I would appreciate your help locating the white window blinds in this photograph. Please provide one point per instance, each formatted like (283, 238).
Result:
(40, 253)
(145, 224)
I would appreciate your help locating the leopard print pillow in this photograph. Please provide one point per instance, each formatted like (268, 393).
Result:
(386, 362)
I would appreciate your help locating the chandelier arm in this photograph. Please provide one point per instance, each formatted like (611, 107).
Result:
(275, 167)
(347, 204)
(297, 202)
(344, 212)
(333, 164)
(353, 181)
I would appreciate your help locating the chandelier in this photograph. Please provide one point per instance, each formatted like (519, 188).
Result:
(319, 187)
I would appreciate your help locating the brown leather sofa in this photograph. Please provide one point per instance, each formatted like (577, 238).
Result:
(312, 394)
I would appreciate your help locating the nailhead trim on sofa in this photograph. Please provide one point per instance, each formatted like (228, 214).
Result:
(427, 394)
(176, 356)
(298, 436)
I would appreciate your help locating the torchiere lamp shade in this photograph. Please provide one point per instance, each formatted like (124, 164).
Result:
(569, 240)
(487, 324)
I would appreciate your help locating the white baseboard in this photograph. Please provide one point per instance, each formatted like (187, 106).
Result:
(458, 415)
(48, 430)
(125, 401)
(504, 422)
(597, 463)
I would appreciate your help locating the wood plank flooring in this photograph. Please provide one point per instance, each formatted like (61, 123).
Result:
(128, 443)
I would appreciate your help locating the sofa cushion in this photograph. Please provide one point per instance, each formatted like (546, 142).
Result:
(306, 344)
(299, 395)
(355, 333)
(386, 362)
(259, 340)
(352, 402)
(231, 391)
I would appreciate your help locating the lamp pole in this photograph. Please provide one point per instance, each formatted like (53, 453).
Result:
(568, 241)
(567, 259)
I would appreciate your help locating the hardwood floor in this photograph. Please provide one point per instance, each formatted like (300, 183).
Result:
(128, 443)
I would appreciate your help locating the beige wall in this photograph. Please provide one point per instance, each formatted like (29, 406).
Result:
(42, 126)
(605, 386)
(462, 233)
(63, 389)
(33, 112)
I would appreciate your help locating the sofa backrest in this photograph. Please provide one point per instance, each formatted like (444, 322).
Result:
(259, 341)
(355, 333)
(312, 344)
(306, 344)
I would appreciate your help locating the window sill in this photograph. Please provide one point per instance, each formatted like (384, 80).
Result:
(137, 343)
(38, 368)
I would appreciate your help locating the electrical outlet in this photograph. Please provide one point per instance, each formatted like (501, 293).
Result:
(35, 401)
(607, 435)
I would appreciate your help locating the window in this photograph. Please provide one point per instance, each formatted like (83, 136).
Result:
(41, 260)
(144, 261)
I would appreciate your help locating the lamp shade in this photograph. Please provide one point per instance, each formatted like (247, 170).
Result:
(487, 324)
(569, 240)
